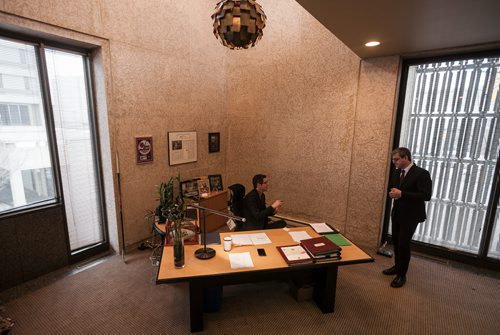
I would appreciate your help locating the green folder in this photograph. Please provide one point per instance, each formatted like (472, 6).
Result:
(338, 239)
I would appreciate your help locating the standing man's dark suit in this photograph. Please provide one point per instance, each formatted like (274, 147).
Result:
(410, 194)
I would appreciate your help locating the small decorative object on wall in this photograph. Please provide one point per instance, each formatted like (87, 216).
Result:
(203, 187)
(182, 147)
(215, 182)
(213, 142)
(144, 149)
(189, 188)
(238, 23)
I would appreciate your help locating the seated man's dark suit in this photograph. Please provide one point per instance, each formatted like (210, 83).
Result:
(256, 213)
(408, 211)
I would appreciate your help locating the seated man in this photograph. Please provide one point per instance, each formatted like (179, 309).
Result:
(255, 210)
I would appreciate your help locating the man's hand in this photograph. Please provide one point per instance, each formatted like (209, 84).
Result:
(277, 205)
(395, 193)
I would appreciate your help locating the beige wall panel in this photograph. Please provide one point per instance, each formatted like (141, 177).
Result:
(155, 93)
(372, 144)
(139, 180)
(83, 16)
(139, 196)
(292, 115)
(177, 27)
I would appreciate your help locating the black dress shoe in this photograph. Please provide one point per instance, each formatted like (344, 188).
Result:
(390, 271)
(398, 281)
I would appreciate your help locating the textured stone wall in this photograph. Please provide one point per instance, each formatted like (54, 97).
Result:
(300, 106)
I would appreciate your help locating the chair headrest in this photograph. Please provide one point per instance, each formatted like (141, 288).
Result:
(238, 191)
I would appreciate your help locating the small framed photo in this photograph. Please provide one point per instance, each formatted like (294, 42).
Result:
(215, 182)
(189, 188)
(213, 142)
(144, 149)
(203, 187)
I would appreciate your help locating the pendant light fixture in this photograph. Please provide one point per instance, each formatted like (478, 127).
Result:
(238, 23)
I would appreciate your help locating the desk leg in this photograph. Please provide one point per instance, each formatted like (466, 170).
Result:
(325, 287)
(196, 306)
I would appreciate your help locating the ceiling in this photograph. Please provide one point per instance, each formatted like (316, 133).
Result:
(410, 27)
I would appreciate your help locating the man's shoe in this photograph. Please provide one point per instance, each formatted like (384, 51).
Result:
(399, 281)
(390, 271)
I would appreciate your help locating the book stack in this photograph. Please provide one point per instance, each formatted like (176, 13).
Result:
(321, 249)
(295, 255)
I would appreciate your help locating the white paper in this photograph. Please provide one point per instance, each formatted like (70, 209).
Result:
(240, 260)
(260, 238)
(242, 239)
(230, 224)
(251, 239)
(321, 228)
(299, 235)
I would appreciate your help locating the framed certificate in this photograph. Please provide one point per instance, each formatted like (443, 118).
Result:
(182, 147)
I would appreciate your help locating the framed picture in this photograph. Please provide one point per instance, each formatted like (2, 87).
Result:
(182, 147)
(203, 186)
(189, 188)
(213, 142)
(215, 182)
(144, 149)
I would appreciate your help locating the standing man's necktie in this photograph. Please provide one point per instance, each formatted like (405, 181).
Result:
(401, 177)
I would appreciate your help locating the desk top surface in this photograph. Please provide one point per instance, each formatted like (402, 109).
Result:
(220, 264)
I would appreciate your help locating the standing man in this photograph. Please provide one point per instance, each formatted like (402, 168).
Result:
(254, 207)
(410, 186)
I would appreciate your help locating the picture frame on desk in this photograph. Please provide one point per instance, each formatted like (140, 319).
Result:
(215, 182)
(203, 186)
(189, 188)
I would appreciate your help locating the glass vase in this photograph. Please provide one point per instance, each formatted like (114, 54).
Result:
(178, 249)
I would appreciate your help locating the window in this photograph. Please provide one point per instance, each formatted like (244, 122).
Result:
(75, 147)
(22, 149)
(17, 115)
(30, 173)
(451, 123)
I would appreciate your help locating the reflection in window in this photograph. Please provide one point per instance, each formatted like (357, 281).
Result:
(26, 174)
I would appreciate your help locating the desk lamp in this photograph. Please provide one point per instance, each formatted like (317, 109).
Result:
(207, 253)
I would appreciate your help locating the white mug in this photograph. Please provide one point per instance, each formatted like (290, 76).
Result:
(228, 243)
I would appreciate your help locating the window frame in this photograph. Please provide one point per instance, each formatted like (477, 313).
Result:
(481, 259)
(40, 43)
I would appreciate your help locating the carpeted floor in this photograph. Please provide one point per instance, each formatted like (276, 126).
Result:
(114, 297)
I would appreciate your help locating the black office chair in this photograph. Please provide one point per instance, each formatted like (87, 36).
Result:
(236, 203)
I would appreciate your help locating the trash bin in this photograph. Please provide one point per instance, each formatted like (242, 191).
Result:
(212, 299)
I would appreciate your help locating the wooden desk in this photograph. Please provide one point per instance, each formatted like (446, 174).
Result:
(217, 271)
(218, 202)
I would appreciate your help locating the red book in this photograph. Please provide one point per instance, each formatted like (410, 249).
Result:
(320, 246)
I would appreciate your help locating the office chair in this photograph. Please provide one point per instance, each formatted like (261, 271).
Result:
(237, 193)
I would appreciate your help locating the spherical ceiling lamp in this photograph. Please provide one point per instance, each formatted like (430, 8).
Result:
(238, 23)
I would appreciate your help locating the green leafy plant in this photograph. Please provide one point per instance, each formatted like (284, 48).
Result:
(174, 207)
